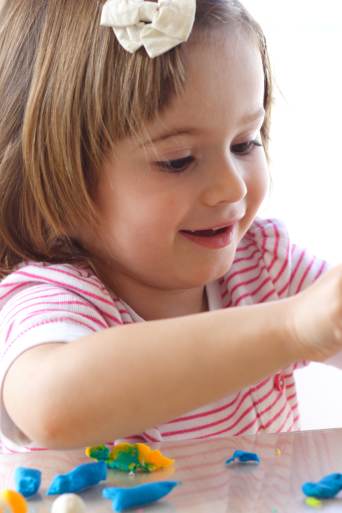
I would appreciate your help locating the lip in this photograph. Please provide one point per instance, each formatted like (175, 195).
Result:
(226, 224)
(218, 241)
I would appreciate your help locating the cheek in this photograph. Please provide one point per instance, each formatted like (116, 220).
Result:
(258, 182)
(146, 221)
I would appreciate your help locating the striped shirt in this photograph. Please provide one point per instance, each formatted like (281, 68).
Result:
(42, 303)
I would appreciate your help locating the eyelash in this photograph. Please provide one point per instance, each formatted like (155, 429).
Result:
(170, 166)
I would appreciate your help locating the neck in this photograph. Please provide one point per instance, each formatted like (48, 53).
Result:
(152, 303)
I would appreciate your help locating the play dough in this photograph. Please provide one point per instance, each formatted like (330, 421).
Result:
(130, 457)
(12, 502)
(78, 479)
(68, 503)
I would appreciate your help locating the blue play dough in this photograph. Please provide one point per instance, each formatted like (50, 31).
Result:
(78, 479)
(139, 495)
(243, 457)
(326, 488)
(27, 481)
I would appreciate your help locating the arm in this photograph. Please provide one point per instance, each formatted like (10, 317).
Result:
(125, 379)
(122, 380)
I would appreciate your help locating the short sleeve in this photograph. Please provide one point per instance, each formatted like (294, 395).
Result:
(38, 305)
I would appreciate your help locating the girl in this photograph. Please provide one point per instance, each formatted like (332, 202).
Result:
(140, 295)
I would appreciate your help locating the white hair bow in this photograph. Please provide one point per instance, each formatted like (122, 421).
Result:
(156, 26)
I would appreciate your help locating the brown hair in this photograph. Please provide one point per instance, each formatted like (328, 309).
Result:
(68, 93)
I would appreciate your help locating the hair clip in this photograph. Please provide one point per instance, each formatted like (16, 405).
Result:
(157, 26)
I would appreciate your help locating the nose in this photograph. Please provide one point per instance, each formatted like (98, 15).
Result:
(225, 183)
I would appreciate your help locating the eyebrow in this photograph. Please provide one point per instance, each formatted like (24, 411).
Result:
(171, 133)
(250, 118)
(254, 116)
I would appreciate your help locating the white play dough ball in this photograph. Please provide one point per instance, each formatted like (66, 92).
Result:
(68, 503)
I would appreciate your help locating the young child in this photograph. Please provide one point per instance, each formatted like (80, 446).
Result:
(140, 296)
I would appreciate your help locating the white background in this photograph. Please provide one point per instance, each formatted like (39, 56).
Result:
(305, 44)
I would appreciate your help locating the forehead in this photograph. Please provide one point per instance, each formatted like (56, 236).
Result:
(225, 82)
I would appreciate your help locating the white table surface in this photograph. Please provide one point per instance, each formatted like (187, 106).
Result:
(208, 486)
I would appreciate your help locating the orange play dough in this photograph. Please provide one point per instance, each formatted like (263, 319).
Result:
(15, 500)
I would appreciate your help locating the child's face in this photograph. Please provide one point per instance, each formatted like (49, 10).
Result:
(209, 173)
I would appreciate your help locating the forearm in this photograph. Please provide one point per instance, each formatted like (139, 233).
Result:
(123, 380)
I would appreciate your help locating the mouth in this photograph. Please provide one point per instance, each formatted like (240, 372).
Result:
(212, 232)
(213, 238)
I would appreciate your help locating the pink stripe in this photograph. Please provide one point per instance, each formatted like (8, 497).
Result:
(300, 365)
(35, 449)
(264, 236)
(320, 271)
(257, 416)
(227, 430)
(241, 249)
(150, 438)
(275, 417)
(291, 385)
(215, 423)
(77, 314)
(253, 292)
(66, 293)
(225, 406)
(246, 259)
(31, 292)
(122, 311)
(29, 304)
(284, 266)
(61, 319)
(292, 396)
(225, 419)
(77, 274)
(281, 427)
(276, 245)
(295, 420)
(248, 427)
(294, 272)
(7, 450)
(264, 298)
(307, 270)
(70, 287)
(208, 412)
(9, 331)
(242, 271)
(248, 282)
(12, 289)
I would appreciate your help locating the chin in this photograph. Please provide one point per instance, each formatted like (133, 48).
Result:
(209, 275)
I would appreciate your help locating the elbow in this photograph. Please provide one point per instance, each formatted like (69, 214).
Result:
(49, 428)
(55, 433)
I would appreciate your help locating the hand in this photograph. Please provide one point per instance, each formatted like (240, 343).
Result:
(315, 317)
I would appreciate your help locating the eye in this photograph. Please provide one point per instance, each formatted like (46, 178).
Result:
(245, 148)
(176, 166)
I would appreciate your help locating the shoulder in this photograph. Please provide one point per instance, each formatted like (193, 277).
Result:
(66, 277)
(68, 285)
